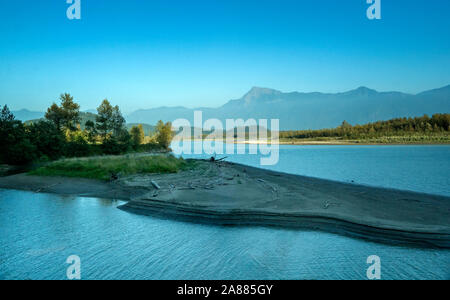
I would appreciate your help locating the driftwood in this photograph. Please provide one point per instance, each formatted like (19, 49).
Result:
(329, 204)
(213, 159)
(155, 185)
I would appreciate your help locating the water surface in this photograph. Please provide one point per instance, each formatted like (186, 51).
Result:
(38, 232)
(419, 168)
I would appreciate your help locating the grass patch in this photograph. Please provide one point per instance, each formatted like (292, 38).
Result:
(401, 139)
(103, 166)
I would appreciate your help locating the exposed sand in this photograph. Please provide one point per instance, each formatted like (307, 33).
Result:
(334, 143)
(231, 194)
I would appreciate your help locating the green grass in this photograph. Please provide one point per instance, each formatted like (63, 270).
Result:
(401, 139)
(103, 166)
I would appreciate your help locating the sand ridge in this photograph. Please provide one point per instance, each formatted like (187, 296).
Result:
(225, 193)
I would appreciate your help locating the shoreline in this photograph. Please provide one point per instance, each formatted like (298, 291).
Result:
(238, 195)
(322, 143)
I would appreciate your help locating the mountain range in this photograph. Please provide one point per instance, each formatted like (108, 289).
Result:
(312, 110)
(303, 110)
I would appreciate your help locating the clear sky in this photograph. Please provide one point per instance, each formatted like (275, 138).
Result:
(144, 54)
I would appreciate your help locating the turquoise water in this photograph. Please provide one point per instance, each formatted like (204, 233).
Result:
(423, 169)
(38, 232)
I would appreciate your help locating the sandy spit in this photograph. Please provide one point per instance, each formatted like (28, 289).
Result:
(232, 194)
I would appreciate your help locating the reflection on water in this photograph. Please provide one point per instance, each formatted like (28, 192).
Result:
(38, 233)
(417, 168)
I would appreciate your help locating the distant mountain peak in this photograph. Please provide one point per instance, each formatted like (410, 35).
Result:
(260, 93)
(362, 91)
(365, 89)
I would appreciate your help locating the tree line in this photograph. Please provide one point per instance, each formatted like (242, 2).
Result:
(59, 134)
(437, 124)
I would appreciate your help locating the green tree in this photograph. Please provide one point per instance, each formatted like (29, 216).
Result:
(346, 125)
(65, 116)
(164, 134)
(6, 116)
(137, 135)
(109, 121)
(91, 131)
(103, 119)
(7, 126)
(117, 144)
(71, 112)
(15, 147)
(48, 140)
(55, 115)
(117, 121)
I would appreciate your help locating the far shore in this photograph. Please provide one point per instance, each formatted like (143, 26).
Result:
(225, 193)
(321, 143)
(332, 143)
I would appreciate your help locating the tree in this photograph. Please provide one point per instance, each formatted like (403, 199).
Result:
(6, 116)
(103, 119)
(77, 144)
(137, 135)
(15, 147)
(164, 134)
(117, 144)
(91, 131)
(55, 115)
(20, 150)
(109, 120)
(48, 140)
(346, 125)
(71, 112)
(7, 124)
(117, 121)
(65, 116)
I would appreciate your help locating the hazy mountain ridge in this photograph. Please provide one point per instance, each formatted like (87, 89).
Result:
(298, 110)
(312, 110)
(27, 115)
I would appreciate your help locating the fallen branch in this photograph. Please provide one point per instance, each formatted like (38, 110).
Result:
(155, 185)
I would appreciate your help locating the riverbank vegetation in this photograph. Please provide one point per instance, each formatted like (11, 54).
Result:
(64, 134)
(110, 167)
(420, 130)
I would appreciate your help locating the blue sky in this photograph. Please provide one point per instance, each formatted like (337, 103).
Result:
(143, 54)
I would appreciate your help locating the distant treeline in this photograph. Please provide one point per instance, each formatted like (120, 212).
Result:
(61, 134)
(438, 124)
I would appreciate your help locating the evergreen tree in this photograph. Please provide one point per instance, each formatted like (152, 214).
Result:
(67, 115)
(103, 119)
(91, 131)
(137, 135)
(55, 115)
(71, 112)
(15, 147)
(117, 121)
